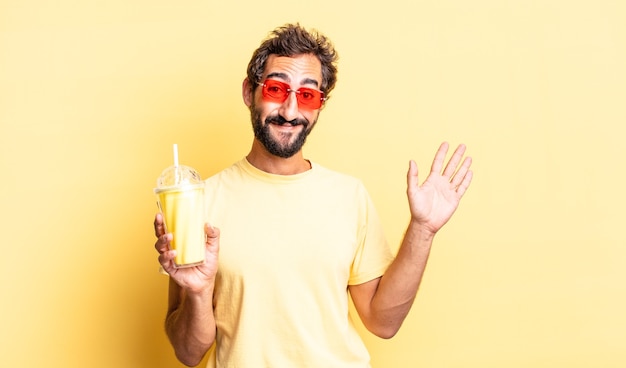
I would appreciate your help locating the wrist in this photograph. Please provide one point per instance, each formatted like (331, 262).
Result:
(200, 292)
(420, 231)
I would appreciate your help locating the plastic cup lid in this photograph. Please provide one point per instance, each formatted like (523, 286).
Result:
(180, 175)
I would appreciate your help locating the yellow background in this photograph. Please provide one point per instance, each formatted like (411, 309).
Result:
(529, 273)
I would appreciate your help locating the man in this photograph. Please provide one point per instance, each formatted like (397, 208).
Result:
(289, 240)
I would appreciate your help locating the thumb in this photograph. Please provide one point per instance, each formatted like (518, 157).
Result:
(412, 179)
(211, 231)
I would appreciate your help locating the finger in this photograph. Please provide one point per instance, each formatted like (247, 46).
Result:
(166, 259)
(460, 175)
(159, 226)
(212, 236)
(454, 161)
(412, 179)
(211, 231)
(440, 156)
(467, 179)
(162, 244)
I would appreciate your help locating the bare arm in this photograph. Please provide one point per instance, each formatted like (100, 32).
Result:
(190, 323)
(384, 303)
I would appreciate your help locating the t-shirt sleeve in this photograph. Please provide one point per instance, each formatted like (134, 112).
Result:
(373, 255)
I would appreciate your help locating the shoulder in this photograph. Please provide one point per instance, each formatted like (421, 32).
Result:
(324, 171)
(231, 174)
(339, 180)
(235, 169)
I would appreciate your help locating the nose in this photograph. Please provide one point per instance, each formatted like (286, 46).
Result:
(289, 108)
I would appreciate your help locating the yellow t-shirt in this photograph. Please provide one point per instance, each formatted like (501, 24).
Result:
(289, 247)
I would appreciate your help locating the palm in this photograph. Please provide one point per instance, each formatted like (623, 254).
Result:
(192, 278)
(433, 203)
(199, 276)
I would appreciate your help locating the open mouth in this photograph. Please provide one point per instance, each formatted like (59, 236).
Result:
(289, 123)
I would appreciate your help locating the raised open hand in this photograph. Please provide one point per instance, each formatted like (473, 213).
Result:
(433, 203)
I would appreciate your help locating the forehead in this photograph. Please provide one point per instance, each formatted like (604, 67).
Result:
(305, 68)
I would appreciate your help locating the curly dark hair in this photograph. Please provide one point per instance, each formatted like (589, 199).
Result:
(292, 40)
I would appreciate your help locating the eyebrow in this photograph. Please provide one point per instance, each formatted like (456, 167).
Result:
(285, 77)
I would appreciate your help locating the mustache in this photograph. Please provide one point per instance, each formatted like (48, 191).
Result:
(277, 119)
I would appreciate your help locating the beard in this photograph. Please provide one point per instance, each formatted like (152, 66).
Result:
(286, 145)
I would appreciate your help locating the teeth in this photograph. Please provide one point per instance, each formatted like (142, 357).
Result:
(285, 123)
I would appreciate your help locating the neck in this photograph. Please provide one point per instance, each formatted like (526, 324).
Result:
(263, 160)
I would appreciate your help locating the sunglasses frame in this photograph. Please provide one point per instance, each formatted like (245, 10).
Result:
(285, 86)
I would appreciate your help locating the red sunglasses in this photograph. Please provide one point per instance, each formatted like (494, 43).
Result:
(277, 91)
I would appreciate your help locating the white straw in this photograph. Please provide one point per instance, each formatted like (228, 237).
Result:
(175, 155)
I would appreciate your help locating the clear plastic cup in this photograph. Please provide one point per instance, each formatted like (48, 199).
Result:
(180, 197)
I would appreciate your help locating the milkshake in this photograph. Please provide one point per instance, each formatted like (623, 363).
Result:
(180, 195)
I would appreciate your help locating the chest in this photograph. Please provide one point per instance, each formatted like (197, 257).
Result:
(290, 233)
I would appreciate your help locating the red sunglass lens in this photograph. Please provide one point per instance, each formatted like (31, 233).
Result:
(275, 91)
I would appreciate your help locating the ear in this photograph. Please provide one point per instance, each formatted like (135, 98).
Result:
(246, 92)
